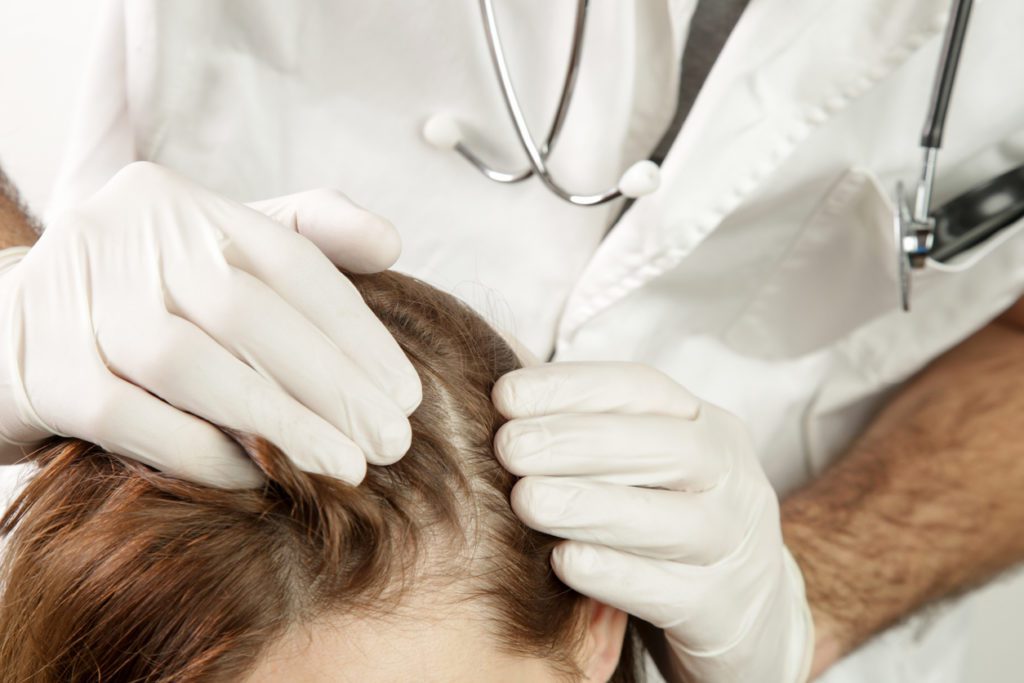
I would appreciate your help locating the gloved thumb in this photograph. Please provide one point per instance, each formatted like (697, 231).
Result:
(351, 237)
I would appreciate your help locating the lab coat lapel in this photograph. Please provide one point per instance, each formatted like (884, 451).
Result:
(788, 67)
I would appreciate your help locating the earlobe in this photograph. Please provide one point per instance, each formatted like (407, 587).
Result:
(606, 631)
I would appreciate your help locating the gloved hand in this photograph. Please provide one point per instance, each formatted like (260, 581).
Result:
(668, 511)
(158, 302)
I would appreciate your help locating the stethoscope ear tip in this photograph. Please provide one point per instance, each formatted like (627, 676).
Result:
(642, 178)
(442, 131)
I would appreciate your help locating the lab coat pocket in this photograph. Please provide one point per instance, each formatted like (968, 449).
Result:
(839, 273)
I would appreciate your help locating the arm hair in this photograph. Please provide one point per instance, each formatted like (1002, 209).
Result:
(927, 504)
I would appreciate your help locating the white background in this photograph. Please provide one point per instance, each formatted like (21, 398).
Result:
(42, 48)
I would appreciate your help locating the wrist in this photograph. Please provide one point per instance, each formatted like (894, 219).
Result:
(832, 638)
(803, 623)
(828, 642)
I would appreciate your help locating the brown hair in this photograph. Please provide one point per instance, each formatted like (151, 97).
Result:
(116, 572)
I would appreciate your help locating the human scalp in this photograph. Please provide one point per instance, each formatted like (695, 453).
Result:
(113, 571)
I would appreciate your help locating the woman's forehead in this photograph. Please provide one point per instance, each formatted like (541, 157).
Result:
(432, 641)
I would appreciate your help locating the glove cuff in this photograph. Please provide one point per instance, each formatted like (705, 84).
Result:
(779, 646)
(803, 673)
(11, 256)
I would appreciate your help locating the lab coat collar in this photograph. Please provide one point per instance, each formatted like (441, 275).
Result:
(788, 67)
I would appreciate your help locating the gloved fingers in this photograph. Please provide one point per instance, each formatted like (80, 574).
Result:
(671, 525)
(287, 262)
(249, 319)
(127, 420)
(591, 387)
(703, 610)
(634, 450)
(294, 268)
(661, 592)
(191, 371)
(353, 238)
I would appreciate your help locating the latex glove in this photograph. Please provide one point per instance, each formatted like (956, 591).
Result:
(668, 511)
(158, 302)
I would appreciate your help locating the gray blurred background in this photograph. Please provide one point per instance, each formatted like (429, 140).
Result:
(43, 44)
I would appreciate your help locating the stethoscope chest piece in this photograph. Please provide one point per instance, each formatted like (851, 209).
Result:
(913, 224)
(912, 239)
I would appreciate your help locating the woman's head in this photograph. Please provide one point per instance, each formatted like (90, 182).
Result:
(115, 572)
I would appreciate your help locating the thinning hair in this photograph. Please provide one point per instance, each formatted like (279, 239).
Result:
(116, 572)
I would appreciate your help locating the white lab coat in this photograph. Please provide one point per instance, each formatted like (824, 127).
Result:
(759, 275)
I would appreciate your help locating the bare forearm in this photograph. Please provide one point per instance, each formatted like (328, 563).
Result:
(926, 504)
(16, 226)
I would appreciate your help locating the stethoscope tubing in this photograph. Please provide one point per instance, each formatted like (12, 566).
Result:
(537, 155)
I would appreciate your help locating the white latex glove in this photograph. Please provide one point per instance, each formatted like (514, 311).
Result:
(158, 302)
(668, 511)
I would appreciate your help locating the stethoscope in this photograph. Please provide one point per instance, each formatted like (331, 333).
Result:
(920, 233)
(443, 131)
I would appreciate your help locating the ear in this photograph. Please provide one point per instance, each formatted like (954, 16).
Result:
(606, 632)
